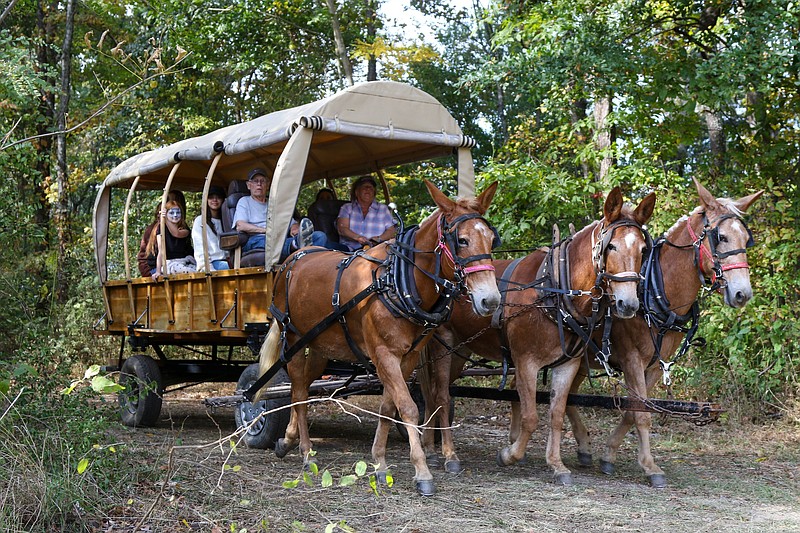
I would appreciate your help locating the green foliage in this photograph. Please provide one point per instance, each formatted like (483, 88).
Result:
(326, 480)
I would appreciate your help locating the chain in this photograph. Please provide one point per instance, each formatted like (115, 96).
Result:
(699, 419)
(454, 349)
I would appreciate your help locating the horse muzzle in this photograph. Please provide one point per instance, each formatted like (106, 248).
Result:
(486, 302)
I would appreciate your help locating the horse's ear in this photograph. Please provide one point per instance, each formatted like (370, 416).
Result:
(440, 198)
(706, 198)
(485, 198)
(644, 210)
(613, 206)
(743, 204)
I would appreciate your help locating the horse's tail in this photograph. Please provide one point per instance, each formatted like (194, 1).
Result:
(270, 352)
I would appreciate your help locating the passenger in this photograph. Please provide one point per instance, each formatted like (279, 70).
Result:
(323, 195)
(147, 262)
(180, 256)
(364, 221)
(251, 218)
(216, 256)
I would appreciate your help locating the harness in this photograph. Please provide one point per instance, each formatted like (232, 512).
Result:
(553, 288)
(557, 295)
(656, 308)
(658, 313)
(393, 281)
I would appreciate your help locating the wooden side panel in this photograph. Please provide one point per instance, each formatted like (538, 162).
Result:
(239, 297)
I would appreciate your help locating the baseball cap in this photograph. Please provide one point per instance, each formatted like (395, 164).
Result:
(256, 172)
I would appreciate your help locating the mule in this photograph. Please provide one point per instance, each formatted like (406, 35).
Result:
(708, 245)
(601, 262)
(450, 253)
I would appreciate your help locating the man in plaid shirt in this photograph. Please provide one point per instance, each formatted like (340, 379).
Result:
(364, 221)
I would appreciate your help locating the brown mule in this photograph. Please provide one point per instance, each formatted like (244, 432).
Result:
(613, 245)
(457, 237)
(717, 228)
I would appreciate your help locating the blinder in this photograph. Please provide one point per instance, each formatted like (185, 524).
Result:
(606, 234)
(450, 236)
(713, 237)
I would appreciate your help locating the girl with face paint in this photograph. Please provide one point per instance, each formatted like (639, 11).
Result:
(179, 252)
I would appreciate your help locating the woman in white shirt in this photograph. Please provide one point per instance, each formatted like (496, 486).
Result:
(216, 256)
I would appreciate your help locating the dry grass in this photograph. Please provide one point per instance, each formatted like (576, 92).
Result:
(739, 478)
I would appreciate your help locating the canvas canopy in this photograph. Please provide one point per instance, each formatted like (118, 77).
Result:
(355, 131)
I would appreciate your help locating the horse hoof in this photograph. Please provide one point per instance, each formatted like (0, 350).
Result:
(606, 467)
(425, 487)
(564, 479)
(658, 481)
(380, 477)
(500, 460)
(453, 467)
(282, 448)
(433, 460)
(584, 459)
(524, 459)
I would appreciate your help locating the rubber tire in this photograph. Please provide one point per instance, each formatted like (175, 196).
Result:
(265, 433)
(140, 402)
(419, 399)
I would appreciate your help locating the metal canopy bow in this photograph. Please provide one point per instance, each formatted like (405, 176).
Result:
(358, 130)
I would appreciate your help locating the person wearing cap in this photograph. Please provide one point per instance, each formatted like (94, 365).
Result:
(251, 218)
(216, 255)
(364, 221)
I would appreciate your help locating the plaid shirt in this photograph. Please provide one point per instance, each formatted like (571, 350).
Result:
(378, 220)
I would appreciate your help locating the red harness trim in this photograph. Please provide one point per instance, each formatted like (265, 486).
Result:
(446, 251)
(703, 250)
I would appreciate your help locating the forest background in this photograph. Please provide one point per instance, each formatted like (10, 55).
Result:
(565, 98)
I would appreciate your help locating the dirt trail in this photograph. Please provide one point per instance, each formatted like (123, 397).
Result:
(720, 479)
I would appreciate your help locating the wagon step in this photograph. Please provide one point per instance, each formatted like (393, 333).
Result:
(703, 410)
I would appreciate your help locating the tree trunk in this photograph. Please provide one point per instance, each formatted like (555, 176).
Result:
(372, 64)
(61, 207)
(716, 139)
(497, 54)
(604, 137)
(341, 50)
(46, 62)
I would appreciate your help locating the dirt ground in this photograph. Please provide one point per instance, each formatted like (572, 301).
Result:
(721, 478)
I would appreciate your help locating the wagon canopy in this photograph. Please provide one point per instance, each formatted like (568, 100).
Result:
(355, 131)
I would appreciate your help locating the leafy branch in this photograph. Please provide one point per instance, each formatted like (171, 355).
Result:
(147, 68)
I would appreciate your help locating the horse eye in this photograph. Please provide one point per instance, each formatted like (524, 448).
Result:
(723, 238)
(611, 247)
(463, 242)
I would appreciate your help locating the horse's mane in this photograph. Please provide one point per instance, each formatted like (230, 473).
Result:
(727, 204)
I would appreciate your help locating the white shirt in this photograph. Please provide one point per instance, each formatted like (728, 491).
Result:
(215, 253)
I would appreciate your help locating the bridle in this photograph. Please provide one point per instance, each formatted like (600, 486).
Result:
(448, 246)
(711, 230)
(600, 247)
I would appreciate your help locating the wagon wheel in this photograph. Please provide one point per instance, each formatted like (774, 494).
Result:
(140, 400)
(419, 399)
(266, 430)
